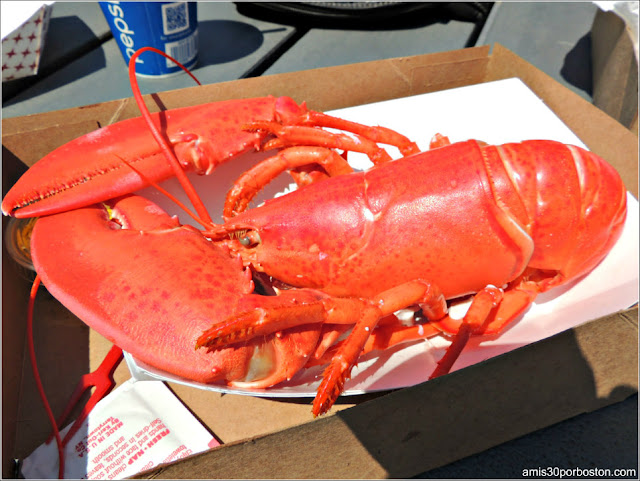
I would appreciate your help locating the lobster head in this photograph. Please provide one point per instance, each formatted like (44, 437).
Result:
(288, 247)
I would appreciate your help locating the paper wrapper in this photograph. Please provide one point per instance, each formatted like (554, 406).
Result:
(22, 47)
(136, 427)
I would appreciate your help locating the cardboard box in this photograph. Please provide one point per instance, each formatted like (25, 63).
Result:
(396, 434)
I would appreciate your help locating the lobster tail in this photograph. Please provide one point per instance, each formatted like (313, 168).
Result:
(604, 209)
(550, 174)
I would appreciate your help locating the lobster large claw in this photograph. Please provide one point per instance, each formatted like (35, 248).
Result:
(124, 157)
(151, 286)
(93, 168)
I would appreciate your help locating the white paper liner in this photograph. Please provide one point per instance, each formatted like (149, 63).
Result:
(495, 112)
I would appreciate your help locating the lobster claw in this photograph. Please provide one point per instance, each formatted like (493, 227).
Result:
(95, 167)
(98, 241)
(124, 157)
(152, 286)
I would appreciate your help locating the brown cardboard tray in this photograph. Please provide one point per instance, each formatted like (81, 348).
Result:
(396, 434)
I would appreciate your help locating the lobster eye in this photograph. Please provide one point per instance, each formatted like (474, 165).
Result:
(250, 239)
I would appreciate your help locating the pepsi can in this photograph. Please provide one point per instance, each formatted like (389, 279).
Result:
(171, 27)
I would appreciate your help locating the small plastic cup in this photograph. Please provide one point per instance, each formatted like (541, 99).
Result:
(17, 240)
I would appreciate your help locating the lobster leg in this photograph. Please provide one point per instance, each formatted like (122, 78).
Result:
(275, 313)
(386, 329)
(250, 183)
(433, 305)
(294, 158)
(483, 303)
(339, 370)
(306, 306)
(439, 140)
(292, 135)
(517, 297)
(491, 311)
(305, 129)
(377, 134)
(382, 337)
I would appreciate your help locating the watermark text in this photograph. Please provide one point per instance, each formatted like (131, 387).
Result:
(559, 473)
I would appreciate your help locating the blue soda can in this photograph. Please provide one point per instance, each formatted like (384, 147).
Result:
(168, 26)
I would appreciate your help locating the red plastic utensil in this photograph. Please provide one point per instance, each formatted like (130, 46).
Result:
(102, 380)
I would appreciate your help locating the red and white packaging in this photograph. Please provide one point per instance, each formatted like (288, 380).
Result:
(24, 28)
(136, 427)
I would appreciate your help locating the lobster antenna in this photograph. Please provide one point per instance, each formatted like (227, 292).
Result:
(168, 194)
(175, 164)
(212, 230)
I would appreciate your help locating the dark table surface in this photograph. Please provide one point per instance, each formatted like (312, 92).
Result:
(82, 65)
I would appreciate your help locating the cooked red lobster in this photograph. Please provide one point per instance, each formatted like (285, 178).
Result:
(341, 254)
